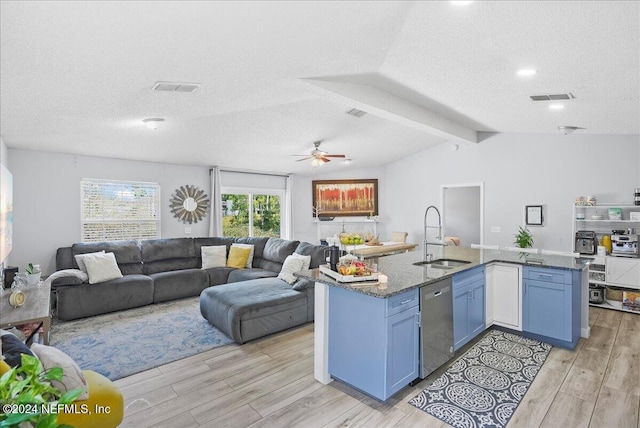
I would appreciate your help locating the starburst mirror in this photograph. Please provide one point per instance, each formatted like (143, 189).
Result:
(189, 204)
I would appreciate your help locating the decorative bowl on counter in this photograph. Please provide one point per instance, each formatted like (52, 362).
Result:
(596, 217)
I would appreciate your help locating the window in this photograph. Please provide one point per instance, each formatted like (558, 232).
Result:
(119, 210)
(251, 214)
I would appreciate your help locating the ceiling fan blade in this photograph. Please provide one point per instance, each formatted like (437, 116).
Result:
(334, 156)
(324, 159)
(304, 159)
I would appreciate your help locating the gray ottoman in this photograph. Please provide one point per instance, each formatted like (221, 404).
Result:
(251, 309)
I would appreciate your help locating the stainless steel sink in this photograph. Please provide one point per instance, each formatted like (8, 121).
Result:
(443, 263)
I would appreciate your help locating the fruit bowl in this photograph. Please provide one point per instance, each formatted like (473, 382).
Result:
(351, 239)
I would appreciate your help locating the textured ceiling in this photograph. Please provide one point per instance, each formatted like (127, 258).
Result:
(75, 77)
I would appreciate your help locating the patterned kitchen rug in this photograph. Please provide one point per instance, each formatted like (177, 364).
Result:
(485, 385)
(122, 343)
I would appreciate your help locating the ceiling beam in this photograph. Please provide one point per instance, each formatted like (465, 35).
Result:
(389, 106)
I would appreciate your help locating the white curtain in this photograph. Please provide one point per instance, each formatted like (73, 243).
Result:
(287, 224)
(215, 219)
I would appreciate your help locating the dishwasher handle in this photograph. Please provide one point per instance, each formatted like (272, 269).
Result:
(437, 293)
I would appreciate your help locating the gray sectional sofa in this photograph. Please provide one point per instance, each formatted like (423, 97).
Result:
(244, 303)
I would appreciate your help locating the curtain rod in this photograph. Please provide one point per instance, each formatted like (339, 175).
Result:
(254, 173)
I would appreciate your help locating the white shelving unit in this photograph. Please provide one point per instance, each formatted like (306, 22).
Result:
(604, 271)
(329, 228)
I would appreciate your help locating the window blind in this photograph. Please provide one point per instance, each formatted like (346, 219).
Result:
(119, 210)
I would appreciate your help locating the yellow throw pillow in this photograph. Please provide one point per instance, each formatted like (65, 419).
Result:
(238, 257)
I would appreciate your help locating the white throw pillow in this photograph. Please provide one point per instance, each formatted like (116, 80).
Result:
(291, 264)
(80, 260)
(102, 267)
(214, 256)
(305, 259)
(72, 376)
(250, 259)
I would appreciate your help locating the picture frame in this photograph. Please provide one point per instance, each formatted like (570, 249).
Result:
(534, 215)
(345, 198)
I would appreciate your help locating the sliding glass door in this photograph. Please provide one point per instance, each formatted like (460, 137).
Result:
(247, 213)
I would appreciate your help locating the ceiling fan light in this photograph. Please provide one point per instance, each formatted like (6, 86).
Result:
(153, 122)
(317, 162)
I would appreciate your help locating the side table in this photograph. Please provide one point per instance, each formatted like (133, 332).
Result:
(36, 308)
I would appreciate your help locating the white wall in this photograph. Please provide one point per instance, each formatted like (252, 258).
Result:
(461, 214)
(304, 226)
(46, 200)
(517, 170)
(3, 153)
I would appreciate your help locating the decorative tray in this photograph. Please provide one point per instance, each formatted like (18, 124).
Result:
(325, 269)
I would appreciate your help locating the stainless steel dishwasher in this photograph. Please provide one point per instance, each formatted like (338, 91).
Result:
(436, 326)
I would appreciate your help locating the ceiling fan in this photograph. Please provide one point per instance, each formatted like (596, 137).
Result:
(318, 156)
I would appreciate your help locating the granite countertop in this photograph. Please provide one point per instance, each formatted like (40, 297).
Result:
(404, 275)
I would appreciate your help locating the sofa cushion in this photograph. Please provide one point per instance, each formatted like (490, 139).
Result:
(127, 254)
(162, 255)
(275, 252)
(86, 300)
(198, 243)
(13, 348)
(291, 264)
(238, 275)
(221, 275)
(250, 257)
(258, 247)
(213, 256)
(315, 251)
(101, 267)
(72, 376)
(252, 309)
(238, 257)
(178, 284)
(80, 258)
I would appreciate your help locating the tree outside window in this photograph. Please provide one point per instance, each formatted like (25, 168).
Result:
(249, 214)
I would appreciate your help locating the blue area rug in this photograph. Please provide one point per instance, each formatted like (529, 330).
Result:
(127, 342)
(484, 386)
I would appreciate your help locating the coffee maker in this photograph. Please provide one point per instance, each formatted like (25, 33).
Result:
(586, 242)
(333, 254)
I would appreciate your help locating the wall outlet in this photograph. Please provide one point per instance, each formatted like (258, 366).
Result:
(496, 229)
(187, 231)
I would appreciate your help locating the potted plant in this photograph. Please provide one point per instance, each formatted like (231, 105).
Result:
(28, 387)
(33, 274)
(524, 238)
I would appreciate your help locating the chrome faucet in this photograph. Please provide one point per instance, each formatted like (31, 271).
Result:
(427, 257)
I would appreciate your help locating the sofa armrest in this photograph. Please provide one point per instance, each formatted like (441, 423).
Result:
(303, 284)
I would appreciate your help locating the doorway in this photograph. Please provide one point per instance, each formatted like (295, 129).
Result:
(463, 213)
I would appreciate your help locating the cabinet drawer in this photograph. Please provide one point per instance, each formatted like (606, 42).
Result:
(548, 275)
(401, 302)
(466, 277)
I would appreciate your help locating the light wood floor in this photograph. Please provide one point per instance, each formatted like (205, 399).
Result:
(269, 383)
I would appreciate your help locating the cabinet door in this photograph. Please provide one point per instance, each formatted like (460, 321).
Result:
(461, 309)
(507, 296)
(476, 309)
(623, 271)
(402, 350)
(547, 309)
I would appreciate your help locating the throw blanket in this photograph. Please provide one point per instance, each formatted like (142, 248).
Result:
(67, 273)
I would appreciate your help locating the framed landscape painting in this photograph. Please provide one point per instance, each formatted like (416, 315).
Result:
(335, 198)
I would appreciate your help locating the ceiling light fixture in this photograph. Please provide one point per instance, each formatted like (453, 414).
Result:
(153, 122)
(556, 106)
(461, 3)
(317, 162)
(567, 129)
(526, 72)
(347, 161)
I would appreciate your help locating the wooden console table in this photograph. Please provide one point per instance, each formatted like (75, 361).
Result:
(36, 309)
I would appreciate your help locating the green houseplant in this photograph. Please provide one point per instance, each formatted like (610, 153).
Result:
(524, 238)
(26, 388)
(33, 273)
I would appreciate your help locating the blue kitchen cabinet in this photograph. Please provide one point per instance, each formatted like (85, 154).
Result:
(468, 305)
(551, 305)
(373, 342)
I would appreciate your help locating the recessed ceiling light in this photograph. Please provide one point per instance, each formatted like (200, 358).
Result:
(567, 129)
(556, 106)
(153, 122)
(347, 161)
(461, 3)
(525, 72)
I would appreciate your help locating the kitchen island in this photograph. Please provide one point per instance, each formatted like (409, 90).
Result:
(548, 278)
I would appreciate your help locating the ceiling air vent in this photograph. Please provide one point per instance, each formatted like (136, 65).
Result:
(175, 87)
(357, 113)
(552, 97)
